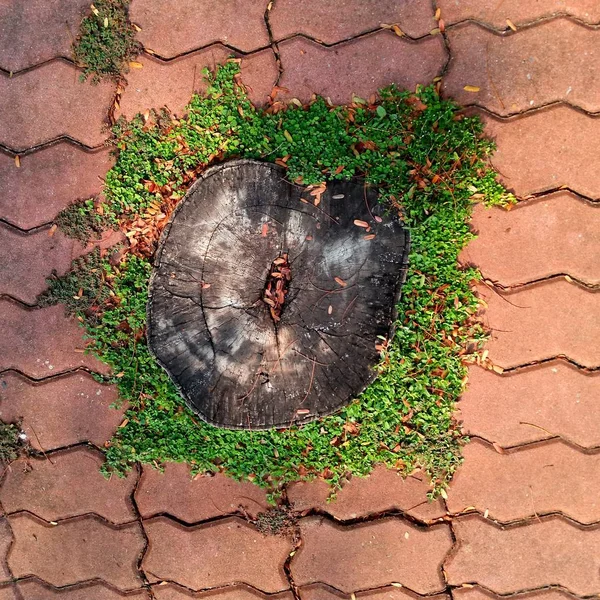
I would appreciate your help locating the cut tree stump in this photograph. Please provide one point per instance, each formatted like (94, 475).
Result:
(265, 308)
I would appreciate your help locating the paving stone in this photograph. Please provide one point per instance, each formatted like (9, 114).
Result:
(547, 149)
(542, 321)
(42, 342)
(66, 484)
(324, 592)
(49, 180)
(383, 490)
(360, 66)
(76, 550)
(76, 409)
(36, 590)
(35, 31)
(9, 592)
(557, 233)
(511, 559)
(532, 481)
(561, 401)
(371, 555)
(524, 71)
(194, 24)
(518, 12)
(46, 103)
(477, 593)
(175, 492)
(213, 555)
(174, 592)
(5, 542)
(171, 83)
(315, 19)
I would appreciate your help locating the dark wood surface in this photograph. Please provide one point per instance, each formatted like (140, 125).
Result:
(210, 328)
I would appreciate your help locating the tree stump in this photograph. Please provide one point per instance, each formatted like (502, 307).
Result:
(266, 305)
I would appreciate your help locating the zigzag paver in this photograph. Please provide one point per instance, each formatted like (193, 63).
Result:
(172, 592)
(315, 19)
(324, 592)
(5, 543)
(37, 590)
(478, 593)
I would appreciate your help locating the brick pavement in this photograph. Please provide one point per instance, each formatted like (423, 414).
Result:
(522, 514)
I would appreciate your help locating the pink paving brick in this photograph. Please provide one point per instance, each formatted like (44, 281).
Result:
(383, 490)
(6, 540)
(193, 24)
(36, 31)
(547, 149)
(360, 66)
(323, 592)
(76, 409)
(171, 83)
(175, 592)
(557, 233)
(315, 19)
(46, 103)
(533, 404)
(519, 12)
(8, 591)
(371, 555)
(542, 321)
(42, 342)
(37, 590)
(521, 71)
(217, 554)
(76, 550)
(535, 480)
(66, 484)
(477, 593)
(194, 499)
(47, 181)
(511, 559)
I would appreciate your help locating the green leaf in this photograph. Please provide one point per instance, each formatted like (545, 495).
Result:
(381, 112)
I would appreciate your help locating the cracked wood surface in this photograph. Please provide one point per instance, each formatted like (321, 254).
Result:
(210, 328)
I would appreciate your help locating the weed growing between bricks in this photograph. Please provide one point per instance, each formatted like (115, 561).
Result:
(427, 161)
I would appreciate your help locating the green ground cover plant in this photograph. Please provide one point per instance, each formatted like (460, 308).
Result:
(427, 160)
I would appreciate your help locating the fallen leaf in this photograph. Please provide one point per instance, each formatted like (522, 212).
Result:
(330, 309)
(123, 423)
(360, 223)
(511, 24)
(136, 27)
(378, 219)
(443, 494)
(486, 513)
(435, 31)
(442, 25)
(134, 64)
(17, 161)
(265, 230)
(369, 237)
(205, 285)
(471, 88)
(499, 449)
(302, 411)
(438, 14)
(105, 21)
(396, 584)
(288, 137)
(398, 31)
(340, 281)
(52, 230)
(497, 369)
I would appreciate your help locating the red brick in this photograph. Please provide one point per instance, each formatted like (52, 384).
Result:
(517, 11)
(66, 484)
(174, 592)
(174, 491)
(42, 342)
(547, 149)
(360, 66)
(36, 31)
(37, 590)
(383, 490)
(561, 400)
(316, 19)
(324, 592)
(194, 24)
(48, 181)
(535, 480)
(5, 543)
(9, 592)
(46, 103)
(76, 409)
(217, 554)
(552, 62)
(536, 239)
(171, 83)
(511, 559)
(371, 555)
(542, 321)
(76, 551)
(476, 593)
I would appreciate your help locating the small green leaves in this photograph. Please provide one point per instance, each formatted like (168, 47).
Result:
(381, 112)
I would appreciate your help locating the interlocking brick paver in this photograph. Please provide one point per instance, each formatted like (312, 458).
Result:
(42, 342)
(360, 66)
(511, 559)
(381, 491)
(76, 409)
(48, 180)
(174, 592)
(171, 29)
(518, 72)
(478, 593)
(66, 484)
(350, 18)
(175, 492)
(557, 233)
(519, 13)
(547, 149)
(36, 590)
(75, 551)
(46, 103)
(35, 31)
(324, 592)
(8, 591)
(371, 555)
(532, 404)
(171, 83)
(542, 321)
(216, 554)
(536, 480)
(5, 542)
